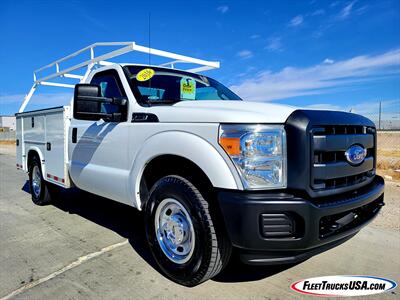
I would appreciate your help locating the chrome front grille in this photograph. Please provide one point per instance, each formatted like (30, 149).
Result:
(330, 169)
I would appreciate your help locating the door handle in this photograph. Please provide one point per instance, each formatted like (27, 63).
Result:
(74, 134)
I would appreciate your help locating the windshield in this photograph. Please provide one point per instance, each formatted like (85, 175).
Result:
(165, 86)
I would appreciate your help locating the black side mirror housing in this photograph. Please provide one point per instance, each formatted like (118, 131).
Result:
(85, 109)
(88, 100)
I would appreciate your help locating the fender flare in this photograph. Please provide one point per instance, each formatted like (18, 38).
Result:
(196, 149)
(39, 152)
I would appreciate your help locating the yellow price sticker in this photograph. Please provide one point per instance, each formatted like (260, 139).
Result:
(145, 75)
(187, 88)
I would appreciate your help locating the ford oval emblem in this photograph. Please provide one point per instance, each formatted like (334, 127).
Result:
(355, 154)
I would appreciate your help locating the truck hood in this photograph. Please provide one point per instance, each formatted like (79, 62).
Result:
(222, 112)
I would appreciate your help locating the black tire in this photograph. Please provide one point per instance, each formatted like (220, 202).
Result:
(44, 196)
(212, 248)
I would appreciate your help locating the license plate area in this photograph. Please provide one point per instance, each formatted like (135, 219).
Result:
(338, 223)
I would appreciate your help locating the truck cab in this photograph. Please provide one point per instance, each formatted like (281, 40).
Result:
(210, 171)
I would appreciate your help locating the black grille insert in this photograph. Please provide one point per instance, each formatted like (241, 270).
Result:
(344, 181)
(330, 169)
(341, 129)
(316, 142)
(321, 157)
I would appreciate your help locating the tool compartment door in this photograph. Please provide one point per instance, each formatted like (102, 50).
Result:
(55, 151)
(20, 161)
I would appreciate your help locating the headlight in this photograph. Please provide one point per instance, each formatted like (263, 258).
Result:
(258, 152)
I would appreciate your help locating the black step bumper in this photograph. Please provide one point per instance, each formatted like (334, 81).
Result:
(279, 227)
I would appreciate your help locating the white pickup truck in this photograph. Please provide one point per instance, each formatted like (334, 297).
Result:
(210, 172)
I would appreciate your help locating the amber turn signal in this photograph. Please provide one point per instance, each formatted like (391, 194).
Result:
(230, 145)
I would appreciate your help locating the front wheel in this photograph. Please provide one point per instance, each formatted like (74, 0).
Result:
(187, 244)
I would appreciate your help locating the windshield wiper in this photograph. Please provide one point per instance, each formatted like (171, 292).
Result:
(157, 102)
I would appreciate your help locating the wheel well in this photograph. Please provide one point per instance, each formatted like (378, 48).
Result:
(173, 165)
(31, 155)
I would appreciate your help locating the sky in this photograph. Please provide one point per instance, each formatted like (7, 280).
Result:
(342, 55)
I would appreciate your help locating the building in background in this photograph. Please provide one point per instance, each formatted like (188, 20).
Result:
(7, 123)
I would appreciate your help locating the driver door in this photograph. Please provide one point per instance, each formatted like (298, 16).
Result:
(98, 149)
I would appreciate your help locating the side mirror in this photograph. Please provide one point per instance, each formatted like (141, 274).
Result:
(88, 100)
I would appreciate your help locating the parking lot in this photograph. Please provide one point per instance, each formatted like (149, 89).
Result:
(86, 247)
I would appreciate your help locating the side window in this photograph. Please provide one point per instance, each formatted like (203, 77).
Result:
(111, 88)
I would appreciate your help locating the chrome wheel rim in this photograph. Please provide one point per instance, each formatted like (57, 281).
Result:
(174, 231)
(36, 181)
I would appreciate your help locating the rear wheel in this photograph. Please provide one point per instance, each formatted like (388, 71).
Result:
(188, 245)
(40, 189)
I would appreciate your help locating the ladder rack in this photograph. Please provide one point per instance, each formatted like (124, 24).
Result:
(124, 47)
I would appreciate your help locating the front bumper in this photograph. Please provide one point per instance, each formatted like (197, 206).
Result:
(315, 225)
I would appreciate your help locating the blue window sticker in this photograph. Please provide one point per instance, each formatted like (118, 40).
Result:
(188, 88)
